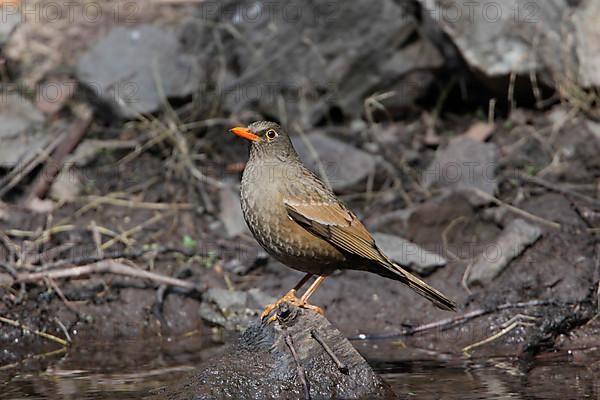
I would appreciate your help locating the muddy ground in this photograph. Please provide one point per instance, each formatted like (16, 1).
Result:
(560, 269)
(140, 204)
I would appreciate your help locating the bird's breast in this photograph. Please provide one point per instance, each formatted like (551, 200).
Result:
(264, 190)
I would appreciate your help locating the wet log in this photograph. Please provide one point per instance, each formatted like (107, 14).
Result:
(298, 356)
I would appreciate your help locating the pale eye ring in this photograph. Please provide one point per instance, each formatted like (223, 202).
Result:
(271, 134)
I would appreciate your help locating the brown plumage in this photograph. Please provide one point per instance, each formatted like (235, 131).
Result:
(300, 222)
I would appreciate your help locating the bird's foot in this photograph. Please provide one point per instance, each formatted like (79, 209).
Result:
(291, 298)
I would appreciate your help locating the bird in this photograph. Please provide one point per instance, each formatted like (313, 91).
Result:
(300, 222)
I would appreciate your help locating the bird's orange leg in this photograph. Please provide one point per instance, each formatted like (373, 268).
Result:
(309, 292)
(289, 297)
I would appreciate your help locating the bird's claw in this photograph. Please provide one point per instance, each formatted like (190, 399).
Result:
(291, 298)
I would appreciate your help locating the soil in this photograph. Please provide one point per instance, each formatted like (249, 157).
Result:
(561, 268)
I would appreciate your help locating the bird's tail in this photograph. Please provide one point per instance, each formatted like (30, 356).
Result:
(396, 272)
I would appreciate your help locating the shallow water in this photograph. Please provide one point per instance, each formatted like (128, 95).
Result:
(103, 372)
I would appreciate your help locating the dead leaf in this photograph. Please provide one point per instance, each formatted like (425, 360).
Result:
(479, 131)
(41, 206)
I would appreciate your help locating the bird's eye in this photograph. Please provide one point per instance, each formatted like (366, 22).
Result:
(271, 134)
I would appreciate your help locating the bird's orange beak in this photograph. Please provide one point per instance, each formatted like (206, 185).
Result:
(245, 133)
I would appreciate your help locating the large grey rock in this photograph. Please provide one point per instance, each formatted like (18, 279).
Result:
(128, 68)
(21, 131)
(513, 241)
(464, 164)
(343, 165)
(587, 35)
(231, 213)
(502, 37)
(408, 254)
(233, 310)
(8, 22)
(260, 365)
(308, 58)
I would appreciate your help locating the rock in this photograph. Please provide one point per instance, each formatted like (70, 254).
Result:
(321, 56)
(594, 128)
(6, 280)
(513, 240)
(408, 254)
(231, 213)
(10, 19)
(464, 164)
(343, 165)
(21, 132)
(587, 37)
(555, 38)
(260, 365)
(128, 68)
(233, 310)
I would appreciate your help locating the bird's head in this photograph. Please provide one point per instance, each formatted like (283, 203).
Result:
(266, 138)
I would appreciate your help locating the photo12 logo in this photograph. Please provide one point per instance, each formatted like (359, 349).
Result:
(487, 11)
(269, 11)
(71, 11)
(270, 92)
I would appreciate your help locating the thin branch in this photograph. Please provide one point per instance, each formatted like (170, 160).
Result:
(108, 266)
(26, 329)
(448, 323)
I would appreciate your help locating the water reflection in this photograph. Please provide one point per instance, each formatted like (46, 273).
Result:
(135, 371)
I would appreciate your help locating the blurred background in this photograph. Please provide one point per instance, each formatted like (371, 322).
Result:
(466, 134)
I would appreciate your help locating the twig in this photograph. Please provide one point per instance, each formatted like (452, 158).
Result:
(107, 266)
(495, 336)
(511, 92)
(139, 204)
(60, 350)
(50, 254)
(49, 172)
(343, 368)
(64, 299)
(465, 276)
(34, 331)
(446, 232)
(299, 368)
(9, 268)
(447, 323)
(97, 238)
(63, 328)
(10, 246)
(492, 111)
(554, 187)
(128, 254)
(516, 210)
(21, 171)
(133, 230)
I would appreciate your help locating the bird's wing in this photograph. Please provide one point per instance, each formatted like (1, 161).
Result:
(340, 227)
(337, 225)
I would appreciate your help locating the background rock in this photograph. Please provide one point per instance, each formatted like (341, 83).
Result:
(231, 213)
(20, 130)
(408, 254)
(8, 22)
(343, 165)
(322, 57)
(513, 240)
(464, 164)
(149, 58)
(233, 310)
(503, 37)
